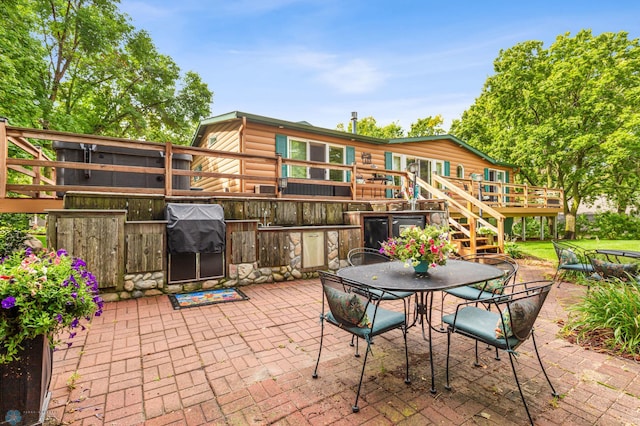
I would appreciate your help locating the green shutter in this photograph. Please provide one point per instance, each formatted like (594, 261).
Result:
(388, 165)
(281, 148)
(350, 158)
(506, 180)
(447, 168)
(486, 178)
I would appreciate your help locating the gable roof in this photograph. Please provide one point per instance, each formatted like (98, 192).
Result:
(309, 128)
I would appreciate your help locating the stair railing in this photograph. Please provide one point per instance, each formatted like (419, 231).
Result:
(472, 219)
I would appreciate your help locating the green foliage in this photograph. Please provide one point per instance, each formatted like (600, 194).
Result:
(544, 249)
(608, 225)
(568, 115)
(14, 220)
(11, 240)
(80, 66)
(610, 311)
(428, 126)
(513, 250)
(43, 294)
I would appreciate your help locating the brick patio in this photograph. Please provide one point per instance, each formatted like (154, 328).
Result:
(250, 362)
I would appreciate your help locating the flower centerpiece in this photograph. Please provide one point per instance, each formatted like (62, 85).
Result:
(43, 293)
(422, 248)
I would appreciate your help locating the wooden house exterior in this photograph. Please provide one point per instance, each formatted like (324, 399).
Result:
(256, 135)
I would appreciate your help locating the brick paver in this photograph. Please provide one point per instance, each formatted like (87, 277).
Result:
(250, 362)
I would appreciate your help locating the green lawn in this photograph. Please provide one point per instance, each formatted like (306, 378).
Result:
(544, 249)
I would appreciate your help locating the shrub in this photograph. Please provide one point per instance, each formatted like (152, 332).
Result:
(11, 240)
(609, 312)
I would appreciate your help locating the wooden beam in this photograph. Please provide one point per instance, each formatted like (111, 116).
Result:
(30, 205)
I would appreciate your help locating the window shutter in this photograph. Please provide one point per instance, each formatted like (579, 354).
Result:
(281, 148)
(486, 178)
(388, 165)
(447, 168)
(506, 180)
(350, 158)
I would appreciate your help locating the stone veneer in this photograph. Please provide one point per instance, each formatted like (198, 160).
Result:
(154, 283)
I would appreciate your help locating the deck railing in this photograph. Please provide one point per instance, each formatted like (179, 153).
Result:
(27, 173)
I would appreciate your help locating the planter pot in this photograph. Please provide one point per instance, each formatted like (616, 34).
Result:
(422, 267)
(24, 384)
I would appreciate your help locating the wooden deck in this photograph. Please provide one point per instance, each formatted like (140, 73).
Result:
(30, 180)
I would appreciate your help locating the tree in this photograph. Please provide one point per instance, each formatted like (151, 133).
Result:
(101, 76)
(428, 126)
(568, 115)
(368, 126)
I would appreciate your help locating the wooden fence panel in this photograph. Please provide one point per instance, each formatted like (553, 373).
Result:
(95, 236)
(145, 246)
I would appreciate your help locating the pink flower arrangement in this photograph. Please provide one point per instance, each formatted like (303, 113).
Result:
(414, 245)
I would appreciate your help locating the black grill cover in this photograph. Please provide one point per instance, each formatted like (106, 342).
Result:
(195, 228)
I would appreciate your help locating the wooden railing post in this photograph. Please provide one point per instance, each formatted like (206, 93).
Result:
(278, 175)
(354, 187)
(168, 169)
(4, 154)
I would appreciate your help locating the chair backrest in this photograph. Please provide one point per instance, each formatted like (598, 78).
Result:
(365, 256)
(499, 260)
(569, 254)
(348, 302)
(523, 307)
(614, 267)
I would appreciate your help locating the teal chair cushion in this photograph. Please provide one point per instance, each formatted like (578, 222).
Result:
(480, 324)
(384, 320)
(468, 292)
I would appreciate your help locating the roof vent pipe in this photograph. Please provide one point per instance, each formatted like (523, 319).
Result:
(354, 122)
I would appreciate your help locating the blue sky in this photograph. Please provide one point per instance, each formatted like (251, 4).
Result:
(397, 61)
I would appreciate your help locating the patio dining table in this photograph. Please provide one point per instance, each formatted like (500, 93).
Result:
(619, 253)
(397, 276)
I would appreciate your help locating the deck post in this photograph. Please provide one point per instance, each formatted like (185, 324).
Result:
(168, 170)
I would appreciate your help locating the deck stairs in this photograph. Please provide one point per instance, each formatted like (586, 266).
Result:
(463, 220)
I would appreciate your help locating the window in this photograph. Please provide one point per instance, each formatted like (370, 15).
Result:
(336, 156)
(460, 171)
(316, 151)
(212, 140)
(425, 168)
(298, 151)
(198, 168)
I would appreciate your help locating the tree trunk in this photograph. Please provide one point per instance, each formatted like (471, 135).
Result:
(570, 226)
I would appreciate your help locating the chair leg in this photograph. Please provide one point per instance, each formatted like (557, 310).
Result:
(315, 371)
(355, 407)
(535, 346)
(477, 363)
(513, 367)
(446, 386)
(407, 380)
(357, 354)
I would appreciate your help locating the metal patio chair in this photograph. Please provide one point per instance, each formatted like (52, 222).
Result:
(571, 258)
(614, 265)
(353, 308)
(486, 289)
(367, 256)
(506, 329)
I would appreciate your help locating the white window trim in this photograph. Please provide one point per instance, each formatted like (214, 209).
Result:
(327, 147)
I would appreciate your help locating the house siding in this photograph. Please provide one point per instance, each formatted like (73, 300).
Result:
(260, 139)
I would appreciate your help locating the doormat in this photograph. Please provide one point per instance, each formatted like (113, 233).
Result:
(206, 297)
